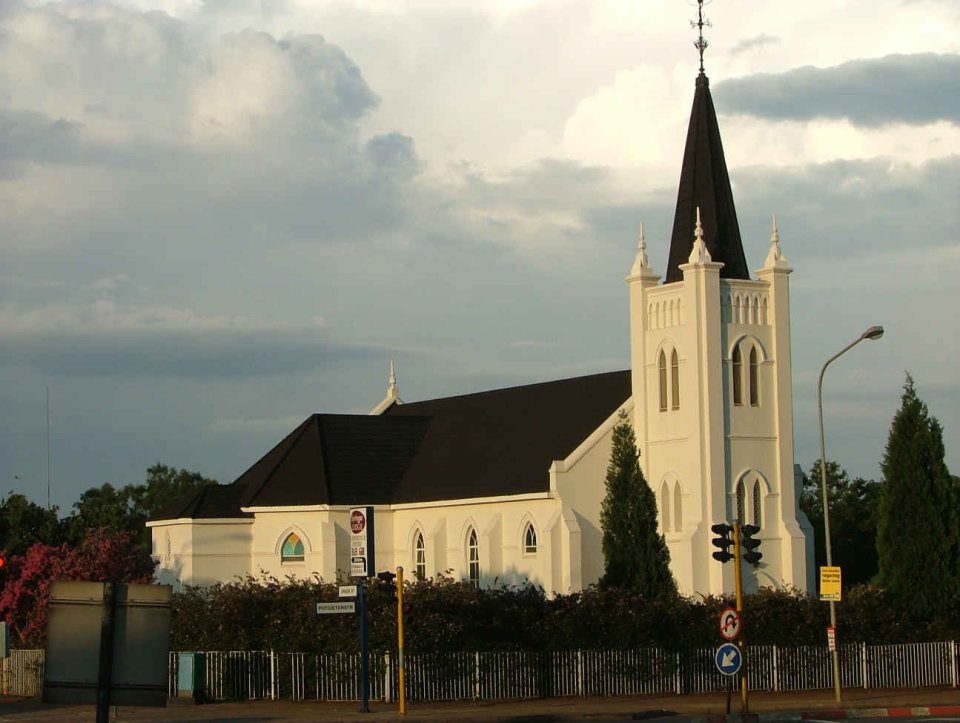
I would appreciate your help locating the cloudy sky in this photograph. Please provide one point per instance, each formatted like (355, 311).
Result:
(219, 217)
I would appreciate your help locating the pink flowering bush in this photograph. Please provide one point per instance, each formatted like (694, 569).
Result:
(101, 556)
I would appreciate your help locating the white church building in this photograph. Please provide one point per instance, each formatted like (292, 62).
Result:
(505, 486)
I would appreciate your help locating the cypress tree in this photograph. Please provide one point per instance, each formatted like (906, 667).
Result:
(917, 541)
(635, 554)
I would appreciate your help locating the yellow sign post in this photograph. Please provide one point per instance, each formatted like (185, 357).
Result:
(830, 588)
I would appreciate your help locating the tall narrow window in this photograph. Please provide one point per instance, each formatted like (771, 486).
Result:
(754, 382)
(419, 557)
(292, 550)
(757, 503)
(530, 540)
(677, 508)
(665, 507)
(473, 558)
(674, 380)
(737, 366)
(740, 495)
(662, 369)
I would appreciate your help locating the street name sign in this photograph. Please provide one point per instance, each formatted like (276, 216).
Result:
(336, 608)
(347, 591)
(728, 659)
(730, 624)
(830, 584)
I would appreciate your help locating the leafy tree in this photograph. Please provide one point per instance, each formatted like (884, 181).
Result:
(23, 523)
(917, 540)
(129, 507)
(102, 556)
(635, 554)
(853, 519)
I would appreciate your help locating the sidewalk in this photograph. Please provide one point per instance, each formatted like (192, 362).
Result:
(705, 708)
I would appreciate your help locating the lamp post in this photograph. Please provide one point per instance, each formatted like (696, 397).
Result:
(874, 332)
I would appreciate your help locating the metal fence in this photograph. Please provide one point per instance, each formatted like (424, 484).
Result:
(248, 675)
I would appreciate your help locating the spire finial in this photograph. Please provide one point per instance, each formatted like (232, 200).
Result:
(641, 265)
(700, 23)
(775, 257)
(392, 383)
(699, 253)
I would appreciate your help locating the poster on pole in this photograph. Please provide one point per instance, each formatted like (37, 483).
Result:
(362, 554)
(830, 584)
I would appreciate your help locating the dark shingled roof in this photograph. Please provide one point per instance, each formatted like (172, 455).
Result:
(704, 182)
(209, 502)
(493, 443)
(502, 442)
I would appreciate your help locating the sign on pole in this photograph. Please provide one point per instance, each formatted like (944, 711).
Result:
(728, 659)
(362, 558)
(730, 624)
(830, 584)
(831, 638)
(336, 608)
(347, 591)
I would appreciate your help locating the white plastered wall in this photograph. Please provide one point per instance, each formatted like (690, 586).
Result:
(200, 552)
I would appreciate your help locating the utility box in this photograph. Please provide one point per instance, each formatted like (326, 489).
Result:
(191, 677)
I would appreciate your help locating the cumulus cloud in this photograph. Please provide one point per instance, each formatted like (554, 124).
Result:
(915, 89)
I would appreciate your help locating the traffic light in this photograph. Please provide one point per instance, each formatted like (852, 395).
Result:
(723, 542)
(749, 545)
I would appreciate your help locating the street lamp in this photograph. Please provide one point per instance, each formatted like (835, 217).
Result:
(874, 332)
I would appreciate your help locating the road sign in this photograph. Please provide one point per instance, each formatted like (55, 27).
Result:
(730, 624)
(337, 608)
(831, 638)
(830, 584)
(347, 590)
(728, 659)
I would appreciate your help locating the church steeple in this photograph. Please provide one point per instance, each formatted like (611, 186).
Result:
(704, 184)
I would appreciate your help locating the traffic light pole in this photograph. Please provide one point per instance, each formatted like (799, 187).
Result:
(739, 589)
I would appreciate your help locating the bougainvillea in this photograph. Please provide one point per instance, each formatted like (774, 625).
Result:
(101, 556)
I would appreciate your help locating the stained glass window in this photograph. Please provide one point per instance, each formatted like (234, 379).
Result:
(292, 550)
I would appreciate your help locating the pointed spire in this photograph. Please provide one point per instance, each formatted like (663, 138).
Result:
(392, 391)
(775, 257)
(641, 264)
(699, 254)
(704, 183)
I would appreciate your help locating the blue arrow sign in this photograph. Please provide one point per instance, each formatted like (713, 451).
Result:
(728, 659)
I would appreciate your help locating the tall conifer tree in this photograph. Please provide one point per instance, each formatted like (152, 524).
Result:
(917, 539)
(635, 554)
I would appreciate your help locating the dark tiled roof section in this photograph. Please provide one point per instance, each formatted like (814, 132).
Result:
(334, 459)
(502, 442)
(704, 182)
(209, 502)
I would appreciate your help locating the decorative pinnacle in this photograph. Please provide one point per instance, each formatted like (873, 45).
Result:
(700, 23)
(775, 257)
(641, 265)
(392, 382)
(699, 253)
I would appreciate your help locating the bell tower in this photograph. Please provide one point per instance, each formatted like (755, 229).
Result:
(711, 375)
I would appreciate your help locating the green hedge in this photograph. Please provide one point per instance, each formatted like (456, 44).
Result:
(266, 613)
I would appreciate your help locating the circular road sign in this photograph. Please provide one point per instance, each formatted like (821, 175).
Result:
(728, 659)
(357, 522)
(730, 624)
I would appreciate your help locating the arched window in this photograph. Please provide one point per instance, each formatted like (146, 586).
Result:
(665, 507)
(757, 503)
(662, 369)
(674, 380)
(677, 508)
(530, 540)
(292, 550)
(754, 382)
(737, 366)
(473, 558)
(740, 501)
(419, 557)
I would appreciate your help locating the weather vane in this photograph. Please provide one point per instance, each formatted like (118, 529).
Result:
(700, 24)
